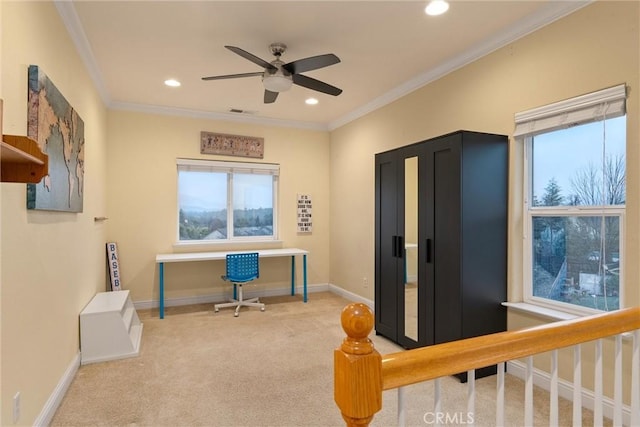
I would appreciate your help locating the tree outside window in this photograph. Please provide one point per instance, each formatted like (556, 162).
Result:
(576, 215)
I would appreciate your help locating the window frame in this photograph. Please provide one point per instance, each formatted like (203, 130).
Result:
(230, 168)
(529, 212)
(580, 110)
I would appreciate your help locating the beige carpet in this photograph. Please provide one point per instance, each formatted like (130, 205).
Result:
(272, 368)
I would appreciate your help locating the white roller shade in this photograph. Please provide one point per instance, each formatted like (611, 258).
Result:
(196, 165)
(606, 103)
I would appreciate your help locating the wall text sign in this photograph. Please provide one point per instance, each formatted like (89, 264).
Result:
(305, 223)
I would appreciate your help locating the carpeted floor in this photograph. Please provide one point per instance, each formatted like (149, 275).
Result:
(272, 368)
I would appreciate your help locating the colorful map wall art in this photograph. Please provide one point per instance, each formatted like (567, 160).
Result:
(59, 131)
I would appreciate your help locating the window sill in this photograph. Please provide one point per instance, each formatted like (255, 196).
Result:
(548, 313)
(228, 245)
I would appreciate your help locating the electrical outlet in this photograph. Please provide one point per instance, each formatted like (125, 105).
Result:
(365, 283)
(16, 407)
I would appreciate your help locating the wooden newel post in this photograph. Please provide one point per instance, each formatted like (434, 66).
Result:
(357, 368)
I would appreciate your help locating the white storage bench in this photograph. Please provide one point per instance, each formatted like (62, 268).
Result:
(109, 328)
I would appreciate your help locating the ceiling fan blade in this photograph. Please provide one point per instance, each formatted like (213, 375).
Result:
(314, 84)
(251, 57)
(311, 63)
(270, 97)
(233, 76)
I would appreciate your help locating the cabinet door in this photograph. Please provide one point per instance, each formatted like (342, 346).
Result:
(443, 238)
(387, 239)
(412, 330)
(399, 251)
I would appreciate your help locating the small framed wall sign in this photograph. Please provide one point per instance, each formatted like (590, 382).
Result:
(305, 223)
(114, 266)
(231, 145)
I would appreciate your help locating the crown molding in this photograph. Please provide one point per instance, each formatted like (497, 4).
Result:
(551, 12)
(70, 19)
(210, 115)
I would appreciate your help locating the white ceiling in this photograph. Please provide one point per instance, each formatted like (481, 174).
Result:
(387, 49)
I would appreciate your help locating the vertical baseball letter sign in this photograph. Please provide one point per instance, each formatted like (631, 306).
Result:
(114, 266)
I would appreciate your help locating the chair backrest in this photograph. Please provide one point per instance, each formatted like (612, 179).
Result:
(242, 267)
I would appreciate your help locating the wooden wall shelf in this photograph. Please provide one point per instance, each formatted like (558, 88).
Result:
(22, 160)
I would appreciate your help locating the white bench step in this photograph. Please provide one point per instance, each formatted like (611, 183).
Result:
(109, 328)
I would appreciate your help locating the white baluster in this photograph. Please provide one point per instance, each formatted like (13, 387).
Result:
(597, 383)
(500, 396)
(635, 380)
(577, 386)
(553, 392)
(437, 402)
(617, 383)
(528, 393)
(402, 415)
(471, 396)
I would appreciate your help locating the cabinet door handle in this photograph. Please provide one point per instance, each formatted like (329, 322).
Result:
(428, 250)
(400, 247)
(394, 246)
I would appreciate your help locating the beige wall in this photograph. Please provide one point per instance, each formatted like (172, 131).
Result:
(594, 48)
(143, 201)
(52, 262)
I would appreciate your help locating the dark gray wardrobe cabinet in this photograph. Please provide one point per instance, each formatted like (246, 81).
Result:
(441, 239)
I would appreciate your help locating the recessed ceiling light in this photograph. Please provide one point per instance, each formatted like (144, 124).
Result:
(436, 7)
(311, 101)
(172, 83)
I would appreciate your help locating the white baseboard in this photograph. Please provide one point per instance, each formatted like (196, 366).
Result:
(52, 404)
(351, 296)
(222, 296)
(542, 379)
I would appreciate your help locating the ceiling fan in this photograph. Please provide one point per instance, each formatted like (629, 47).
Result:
(278, 77)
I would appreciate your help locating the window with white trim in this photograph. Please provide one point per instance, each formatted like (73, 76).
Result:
(227, 201)
(574, 202)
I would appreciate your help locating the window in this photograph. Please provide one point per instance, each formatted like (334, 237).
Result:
(226, 201)
(575, 201)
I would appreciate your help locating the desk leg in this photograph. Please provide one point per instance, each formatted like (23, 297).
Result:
(293, 275)
(162, 290)
(304, 276)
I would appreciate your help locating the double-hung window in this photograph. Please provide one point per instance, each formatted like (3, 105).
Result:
(574, 201)
(226, 201)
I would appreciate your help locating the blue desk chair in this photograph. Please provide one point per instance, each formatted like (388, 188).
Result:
(241, 269)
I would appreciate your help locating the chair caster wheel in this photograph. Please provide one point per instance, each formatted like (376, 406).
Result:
(262, 309)
(236, 314)
(215, 310)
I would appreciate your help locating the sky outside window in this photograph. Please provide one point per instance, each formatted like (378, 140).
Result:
(202, 191)
(252, 191)
(560, 155)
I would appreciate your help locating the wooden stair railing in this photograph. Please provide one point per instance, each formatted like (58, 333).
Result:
(361, 374)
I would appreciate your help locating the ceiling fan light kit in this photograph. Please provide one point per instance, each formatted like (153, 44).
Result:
(277, 82)
(279, 76)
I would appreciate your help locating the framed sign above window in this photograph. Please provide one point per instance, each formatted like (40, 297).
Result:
(231, 145)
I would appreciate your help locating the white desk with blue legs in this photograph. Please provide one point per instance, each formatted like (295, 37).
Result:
(161, 259)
